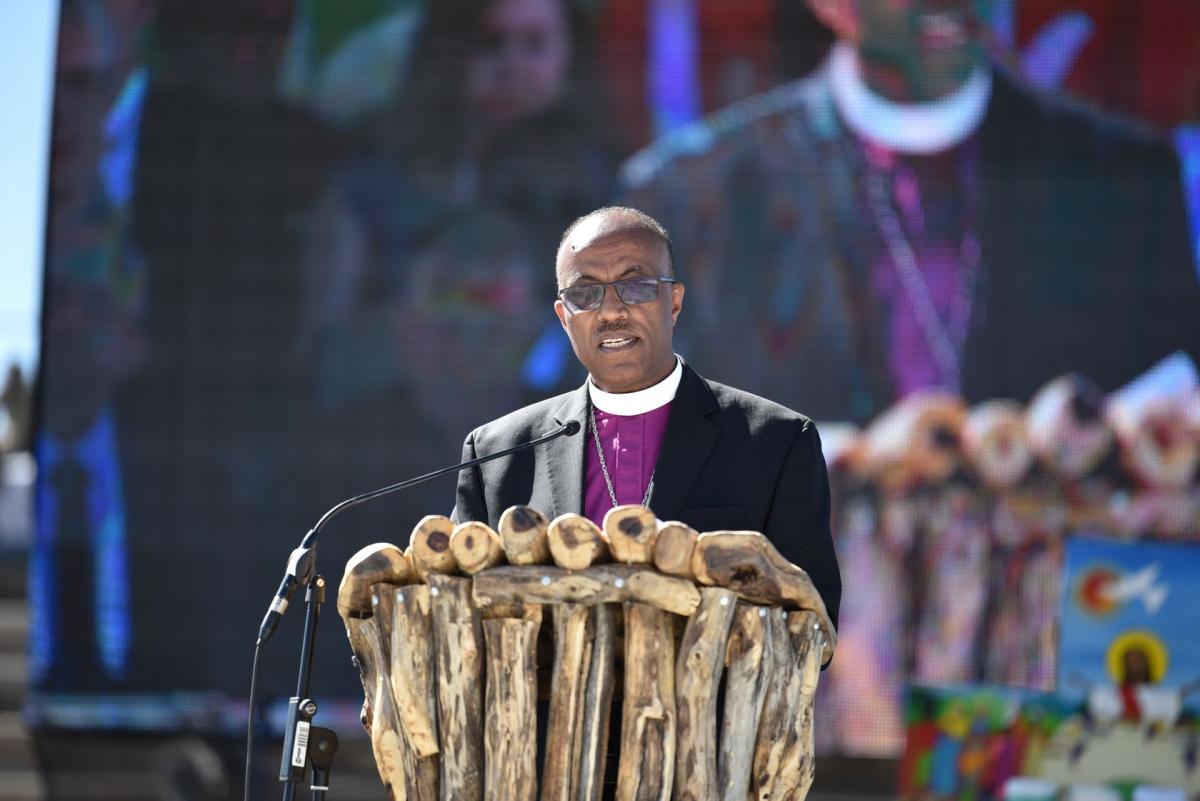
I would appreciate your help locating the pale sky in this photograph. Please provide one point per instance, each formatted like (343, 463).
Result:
(27, 39)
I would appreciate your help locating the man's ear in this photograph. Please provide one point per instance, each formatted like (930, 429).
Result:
(561, 312)
(840, 16)
(676, 301)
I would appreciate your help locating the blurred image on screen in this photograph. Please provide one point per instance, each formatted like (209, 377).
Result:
(297, 251)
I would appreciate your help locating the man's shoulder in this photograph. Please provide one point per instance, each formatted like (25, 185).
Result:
(527, 422)
(761, 414)
(707, 141)
(1032, 120)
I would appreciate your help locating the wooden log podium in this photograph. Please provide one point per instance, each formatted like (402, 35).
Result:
(449, 661)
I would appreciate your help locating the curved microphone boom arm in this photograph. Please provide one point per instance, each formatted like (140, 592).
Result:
(302, 563)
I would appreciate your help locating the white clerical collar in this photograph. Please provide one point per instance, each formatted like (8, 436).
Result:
(627, 404)
(914, 128)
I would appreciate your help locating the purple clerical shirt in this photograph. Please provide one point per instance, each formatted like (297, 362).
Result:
(935, 197)
(631, 445)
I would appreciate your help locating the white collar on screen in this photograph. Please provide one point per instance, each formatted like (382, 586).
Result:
(914, 128)
(627, 404)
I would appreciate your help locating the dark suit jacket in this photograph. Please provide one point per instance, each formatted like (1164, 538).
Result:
(1086, 264)
(729, 460)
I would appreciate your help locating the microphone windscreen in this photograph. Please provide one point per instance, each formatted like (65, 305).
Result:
(571, 428)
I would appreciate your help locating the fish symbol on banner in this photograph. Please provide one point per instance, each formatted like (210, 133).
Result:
(1140, 586)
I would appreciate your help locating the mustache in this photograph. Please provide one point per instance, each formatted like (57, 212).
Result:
(614, 327)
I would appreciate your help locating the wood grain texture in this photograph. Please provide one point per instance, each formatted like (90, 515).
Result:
(594, 585)
(673, 549)
(747, 676)
(576, 542)
(458, 643)
(386, 738)
(522, 530)
(807, 640)
(511, 722)
(783, 749)
(631, 531)
(420, 771)
(525, 611)
(747, 563)
(429, 546)
(412, 668)
(773, 726)
(596, 712)
(697, 677)
(475, 547)
(572, 652)
(647, 764)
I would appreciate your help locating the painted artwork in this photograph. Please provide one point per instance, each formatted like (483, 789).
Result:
(1131, 622)
(1129, 655)
(965, 743)
(1126, 711)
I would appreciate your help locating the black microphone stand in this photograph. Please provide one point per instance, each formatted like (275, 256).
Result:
(301, 571)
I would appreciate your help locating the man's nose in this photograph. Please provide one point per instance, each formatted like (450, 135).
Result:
(611, 305)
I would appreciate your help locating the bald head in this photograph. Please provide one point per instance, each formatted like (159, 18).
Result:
(602, 223)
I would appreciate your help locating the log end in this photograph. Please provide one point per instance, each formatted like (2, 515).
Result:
(576, 542)
(380, 562)
(475, 546)
(631, 531)
(429, 546)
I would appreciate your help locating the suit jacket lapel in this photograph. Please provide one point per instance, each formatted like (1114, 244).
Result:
(564, 456)
(689, 439)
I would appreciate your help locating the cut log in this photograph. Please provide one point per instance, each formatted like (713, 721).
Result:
(747, 563)
(783, 751)
(631, 531)
(783, 697)
(914, 442)
(673, 549)
(995, 443)
(1066, 428)
(806, 634)
(647, 767)
(697, 676)
(373, 570)
(523, 532)
(748, 675)
(378, 562)
(420, 771)
(412, 658)
(572, 638)
(596, 712)
(386, 738)
(576, 542)
(429, 547)
(510, 741)
(595, 585)
(475, 547)
(458, 640)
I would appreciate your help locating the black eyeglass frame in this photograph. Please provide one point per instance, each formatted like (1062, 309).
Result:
(617, 287)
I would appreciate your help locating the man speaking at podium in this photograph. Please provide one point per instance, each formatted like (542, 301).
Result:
(654, 431)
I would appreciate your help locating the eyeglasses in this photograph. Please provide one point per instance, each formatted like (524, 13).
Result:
(631, 291)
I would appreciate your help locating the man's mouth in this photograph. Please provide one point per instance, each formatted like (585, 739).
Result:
(617, 342)
(943, 29)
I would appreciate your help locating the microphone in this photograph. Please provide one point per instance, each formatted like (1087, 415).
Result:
(302, 561)
(299, 571)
